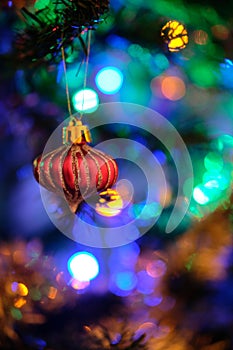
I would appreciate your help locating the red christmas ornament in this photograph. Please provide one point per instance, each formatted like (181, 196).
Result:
(76, 170)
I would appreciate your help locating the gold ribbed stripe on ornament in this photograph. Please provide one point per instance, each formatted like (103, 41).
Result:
(106, 159)
(60, 169)
(100, 176)
(87, 172)
(115, 170)
(45, 177)
(76, 199)
(75, 167)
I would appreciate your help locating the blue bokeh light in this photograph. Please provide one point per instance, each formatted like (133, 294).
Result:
(109, 80)
(160, 156)
(146, 283)
(126, 280)
(226, 70)
(126, 257)
(83, 266)
(153, 300)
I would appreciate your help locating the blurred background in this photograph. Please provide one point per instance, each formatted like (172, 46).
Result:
(176, 58)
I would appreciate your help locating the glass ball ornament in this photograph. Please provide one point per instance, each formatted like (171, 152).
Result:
(75, 169)
(175, 35)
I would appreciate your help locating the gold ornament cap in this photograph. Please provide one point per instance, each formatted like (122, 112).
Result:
(76, 133)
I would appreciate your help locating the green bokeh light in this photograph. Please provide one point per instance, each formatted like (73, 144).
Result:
(223, 179)
(206, 193)
(204, 74)
(147, 212)
(213, 162)
(161, 61)
(200, 196)
(212, 190)
(16, 313)
(195, 211)
(106, 24)
(85, 100)
(135, 50)
(164, 7)
(224, 141)
(35, 294)
(74, 80)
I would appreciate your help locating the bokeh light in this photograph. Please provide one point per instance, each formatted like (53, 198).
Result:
(153, 300)
(156, 268)
(223, 179)
(16, 314)
(110, 203)
(19, 288)
(126, 257)
(146, 283)
(52, 293)
(160, 156)
(225, 140)
(126, 280)
(173, 88)
(161, 61)
(83, 266)
(109, 80)
(204, 73)
(226, 70)
(207, 192)
(73, 76)
(19, 302)
(200, 196)
(146, 212)
(200, 37)
(86, 100)
(79, 285)
(213, 162)
(220, 31)
(175, 35)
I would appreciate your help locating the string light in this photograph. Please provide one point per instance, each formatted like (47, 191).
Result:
(175, 35)
(109, 80)
(86, 100)
(83, 266)
(173, 88)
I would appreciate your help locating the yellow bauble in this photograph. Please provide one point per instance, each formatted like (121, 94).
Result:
(175, 35)
(110, 203)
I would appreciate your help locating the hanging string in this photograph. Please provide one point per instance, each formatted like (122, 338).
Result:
(85, 75)
(66, 81)
(86, 67)
(87, 58)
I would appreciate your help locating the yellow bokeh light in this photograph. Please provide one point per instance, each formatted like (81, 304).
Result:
(110, 203)
(173, 88)
(22, 289)
(175, 35)
(19, 303)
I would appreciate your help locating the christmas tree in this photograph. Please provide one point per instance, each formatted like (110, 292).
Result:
(123, 110)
